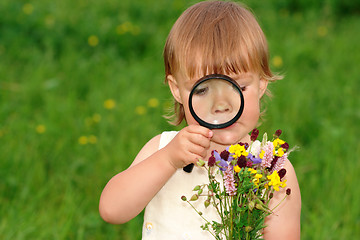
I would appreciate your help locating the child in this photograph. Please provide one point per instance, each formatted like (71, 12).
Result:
(208, 38)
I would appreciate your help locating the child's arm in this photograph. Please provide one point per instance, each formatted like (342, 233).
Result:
(284, 223)
(128, 192)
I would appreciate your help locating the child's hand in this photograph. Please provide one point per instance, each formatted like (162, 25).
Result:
(189, 145)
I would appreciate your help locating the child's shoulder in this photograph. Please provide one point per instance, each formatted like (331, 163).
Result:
(153, 145)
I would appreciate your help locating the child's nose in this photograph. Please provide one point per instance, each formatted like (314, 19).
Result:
(222, 107)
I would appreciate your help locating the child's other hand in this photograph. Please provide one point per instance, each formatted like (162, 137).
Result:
(189, 145)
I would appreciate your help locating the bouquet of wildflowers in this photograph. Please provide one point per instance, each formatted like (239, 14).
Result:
(242, 180)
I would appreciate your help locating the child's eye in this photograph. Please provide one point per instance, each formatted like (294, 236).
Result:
(243, 88)
(201, 91)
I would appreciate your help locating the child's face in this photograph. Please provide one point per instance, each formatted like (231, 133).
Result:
(252, 87)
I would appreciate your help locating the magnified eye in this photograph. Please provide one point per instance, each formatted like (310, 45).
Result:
(201, 90)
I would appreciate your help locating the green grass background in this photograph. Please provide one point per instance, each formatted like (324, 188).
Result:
(61, 60)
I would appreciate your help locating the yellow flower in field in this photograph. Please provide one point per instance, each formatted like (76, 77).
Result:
(277, 61)
(123, 28)
(140, 110)
(238, 150)
(127, 27)
(96, 117)
(49, 21)
(40, 129)
(109, 104)
(322, 31)
(92, 139)
(83, 140)
(93, 41)
(153, 102)
(28, 8)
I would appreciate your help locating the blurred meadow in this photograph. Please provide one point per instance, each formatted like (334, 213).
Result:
(81, 91)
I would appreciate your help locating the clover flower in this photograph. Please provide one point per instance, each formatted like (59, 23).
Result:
(229, 182)
(268, 155)
(254, 134)
(278, 162)
(211, 161)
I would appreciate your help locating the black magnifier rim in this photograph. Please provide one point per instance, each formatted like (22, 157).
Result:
(222, 125)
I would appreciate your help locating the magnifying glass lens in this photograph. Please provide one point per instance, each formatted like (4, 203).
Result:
(216, 101)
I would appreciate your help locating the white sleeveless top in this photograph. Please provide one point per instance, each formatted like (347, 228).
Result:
(167, 217)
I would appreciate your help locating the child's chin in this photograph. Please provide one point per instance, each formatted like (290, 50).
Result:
(226, 138)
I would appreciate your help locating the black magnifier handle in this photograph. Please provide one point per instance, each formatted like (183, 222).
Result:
(189, 168)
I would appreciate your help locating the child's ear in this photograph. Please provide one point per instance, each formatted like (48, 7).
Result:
(262, 87)
(174, 88)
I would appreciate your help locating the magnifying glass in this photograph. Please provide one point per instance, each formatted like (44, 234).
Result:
(215, 102)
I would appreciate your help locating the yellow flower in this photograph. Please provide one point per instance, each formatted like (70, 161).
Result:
(83, 140)
(275, 181)
(109, 104)
(252, 171)
(238, 150)
(140, 110)
(49, 21)
(127, 27)
(322, 31)
(277, 61)
(123, 28)
(257, 178)
(280, 152)
(262, 153)
(28, 8)
(92, 139)
(40, 129)
(93, 41)
(278, 142)
(237, 169)
(96, 118)
(153, 102)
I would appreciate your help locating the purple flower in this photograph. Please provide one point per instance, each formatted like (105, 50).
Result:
(219, 161)
(254, 159)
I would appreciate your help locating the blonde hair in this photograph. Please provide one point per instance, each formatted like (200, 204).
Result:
(215, 37)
